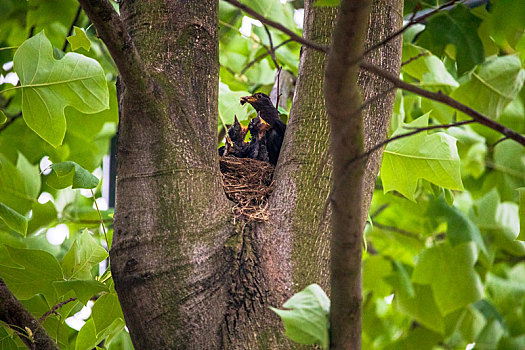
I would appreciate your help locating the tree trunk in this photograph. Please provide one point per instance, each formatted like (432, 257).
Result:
(187, 274)
(172, 217)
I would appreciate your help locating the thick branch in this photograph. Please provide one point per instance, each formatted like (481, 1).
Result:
(277, 26)
(447, 100)
(343, 103)
(16, 316)
(112, 31)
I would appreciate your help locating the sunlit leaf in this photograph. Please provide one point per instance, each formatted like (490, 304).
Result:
(492, 86)
(81, 257)
(83, 289)
(15, 221)
(79, 40)
(307, 318)
(50, 85)
(431, 157)
(450, 273)
(67, 174)
(35, 272)
(106, 312)
(19, 185)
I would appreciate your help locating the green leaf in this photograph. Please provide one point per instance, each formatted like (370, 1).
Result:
(471, 323)
(50, 85)
(87, 337)
(307, 320)
(429, 70)
(431, 157)
(450, 273)
(6, 342)
(507, 21)
(499, 221)
(492, 86)
(81, 257)
(458, 27)
(509, 171)
(69, 173)
(43, 215)
(521, 212)
(490, 335)
(84, 289)
(13, 220)
(34, 273)
(106, 311)
(460, 228)
(375, 268)
(506, 294)
(422, 307)
(20, 185)
(3, 117)
(79, 40)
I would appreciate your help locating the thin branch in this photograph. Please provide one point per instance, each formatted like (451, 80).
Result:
(263, 55)
(397, 230)
(412, 59)
(14, 314)
(416, 131)
(412, 22)
(276, 25)
(54, 309)
(497, 142)
(118, 41)
(100, 217)
(70, 31)
(442, 98)
(271, 50)
(379, 211)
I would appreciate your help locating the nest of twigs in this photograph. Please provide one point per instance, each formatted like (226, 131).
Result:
(247, 183)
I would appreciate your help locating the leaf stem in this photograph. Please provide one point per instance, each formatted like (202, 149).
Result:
(100, 216)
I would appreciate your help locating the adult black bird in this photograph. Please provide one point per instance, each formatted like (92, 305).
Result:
(267, 112)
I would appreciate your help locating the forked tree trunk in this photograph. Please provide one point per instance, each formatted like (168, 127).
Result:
(187, 274)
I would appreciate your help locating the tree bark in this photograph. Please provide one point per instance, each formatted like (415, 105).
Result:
(187, 274)
(16, 316)
(172, 217)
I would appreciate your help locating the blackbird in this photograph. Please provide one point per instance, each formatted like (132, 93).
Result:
(235, 144)
(267, 112)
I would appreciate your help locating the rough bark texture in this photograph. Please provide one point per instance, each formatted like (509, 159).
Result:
(300, 232)
(16, 316)
(172, 217)
(385, 18)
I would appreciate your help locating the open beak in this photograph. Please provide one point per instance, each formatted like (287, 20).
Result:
(248, 99)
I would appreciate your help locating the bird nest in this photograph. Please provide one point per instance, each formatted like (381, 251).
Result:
(247, 183)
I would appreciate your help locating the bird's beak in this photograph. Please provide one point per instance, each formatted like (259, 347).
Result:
(248, 99)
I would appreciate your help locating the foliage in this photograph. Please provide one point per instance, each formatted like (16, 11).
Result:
(307, 319)
(442, 267)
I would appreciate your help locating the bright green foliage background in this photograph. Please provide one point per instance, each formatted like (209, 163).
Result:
(443, 267)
